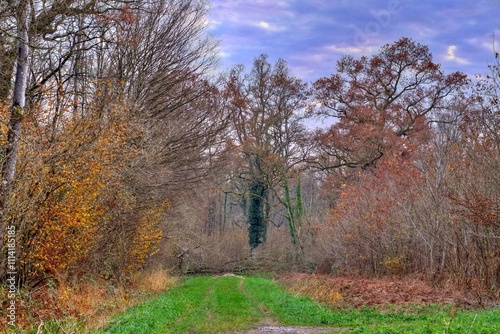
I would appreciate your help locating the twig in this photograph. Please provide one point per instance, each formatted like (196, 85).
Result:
(39, 329)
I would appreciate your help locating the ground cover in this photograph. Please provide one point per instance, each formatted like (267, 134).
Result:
(235, 304)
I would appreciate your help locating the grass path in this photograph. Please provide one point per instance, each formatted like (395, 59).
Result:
(230, 304)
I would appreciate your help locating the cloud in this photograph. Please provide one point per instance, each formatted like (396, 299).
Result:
(313, 35)
(264, 25)
(421, 31)
(485, 43)
(349, 49)
(241, 13)
(451, 55)
(270, 27)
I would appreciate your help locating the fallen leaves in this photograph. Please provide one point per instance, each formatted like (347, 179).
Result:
(359, 292)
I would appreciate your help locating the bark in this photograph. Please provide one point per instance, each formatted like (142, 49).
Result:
(11, 149)
(256, 215)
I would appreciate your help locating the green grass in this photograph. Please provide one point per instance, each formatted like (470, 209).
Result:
(201, 305)
(228, 304)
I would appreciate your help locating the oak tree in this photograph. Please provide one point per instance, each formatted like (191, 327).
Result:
(380, 103)
(265, 107)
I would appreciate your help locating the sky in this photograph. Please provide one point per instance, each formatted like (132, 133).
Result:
(312, 35)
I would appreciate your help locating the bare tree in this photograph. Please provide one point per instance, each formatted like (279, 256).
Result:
(265, 106)
(11, 149)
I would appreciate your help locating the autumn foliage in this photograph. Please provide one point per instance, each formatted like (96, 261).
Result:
(98, 150)
(131, 156)
(425, 198)
(356, 292)
(76, 188)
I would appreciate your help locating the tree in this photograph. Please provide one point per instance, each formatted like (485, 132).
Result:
(423, 197)
(159, 53)
(381, 103)
(294, 213)
(39, 26)
(8, 50)
(264, 107)
(11, 148)
(120, 114)
(474, 187)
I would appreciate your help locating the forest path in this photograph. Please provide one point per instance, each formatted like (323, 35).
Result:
(270, 325)
(253, 305)
(225, 304)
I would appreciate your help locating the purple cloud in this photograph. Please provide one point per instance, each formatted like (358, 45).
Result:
(312, 35)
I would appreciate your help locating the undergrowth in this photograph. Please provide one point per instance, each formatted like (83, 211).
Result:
(58, 306)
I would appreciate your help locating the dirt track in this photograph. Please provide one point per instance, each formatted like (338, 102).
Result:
(273, 327)
(293, 330)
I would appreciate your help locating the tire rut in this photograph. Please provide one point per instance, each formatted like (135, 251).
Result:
(269, 325)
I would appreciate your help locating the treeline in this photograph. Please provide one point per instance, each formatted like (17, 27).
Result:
(124, 147)
(107, 114)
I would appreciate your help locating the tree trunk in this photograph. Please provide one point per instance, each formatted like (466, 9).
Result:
(256, 215)
(11, 149)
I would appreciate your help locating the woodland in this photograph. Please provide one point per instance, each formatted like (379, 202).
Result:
(125, 148)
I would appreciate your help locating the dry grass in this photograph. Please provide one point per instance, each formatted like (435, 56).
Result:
(342, 292)
(91, 303)
(156, 280)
